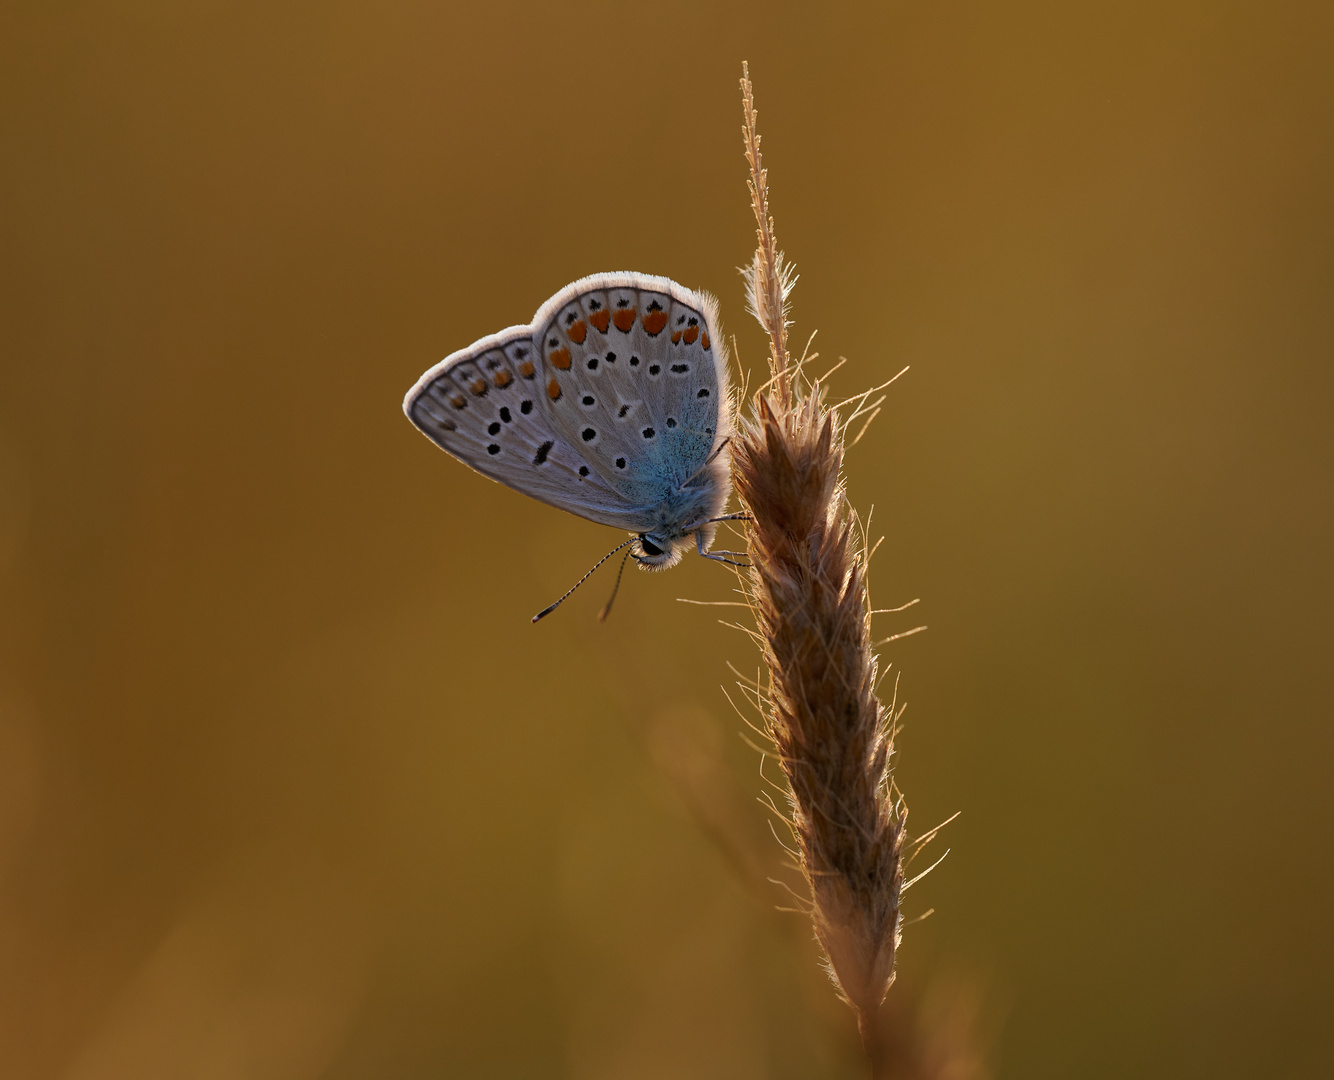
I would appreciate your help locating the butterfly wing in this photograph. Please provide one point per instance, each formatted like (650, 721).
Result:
(614, 396)
(488, 406)
(637, 380)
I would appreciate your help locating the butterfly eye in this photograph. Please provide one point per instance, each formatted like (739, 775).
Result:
(648, 547)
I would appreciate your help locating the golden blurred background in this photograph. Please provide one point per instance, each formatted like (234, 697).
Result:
(291, 788)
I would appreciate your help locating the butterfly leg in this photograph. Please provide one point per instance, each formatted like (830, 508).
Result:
(719, 450)
(718, 556)
(710, 460)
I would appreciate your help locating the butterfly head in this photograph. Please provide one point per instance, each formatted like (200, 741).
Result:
(657, 552)
(661, 548)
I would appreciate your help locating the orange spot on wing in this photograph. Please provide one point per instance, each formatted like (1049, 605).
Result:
(560, 358)
(503, 379)
(705, 340)
(578, 332)
(553, 390)
(601, 319)
(526, 369)
(691, 334)
(458, 401)
(624, 319)
(478, 387)
(654, 321)
(676, 338)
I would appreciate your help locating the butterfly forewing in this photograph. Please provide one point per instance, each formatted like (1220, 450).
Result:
(486, 406)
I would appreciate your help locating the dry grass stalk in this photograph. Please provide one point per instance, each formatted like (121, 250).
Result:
(807, 587)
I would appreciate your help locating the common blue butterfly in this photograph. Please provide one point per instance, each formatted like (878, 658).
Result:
(612, 404)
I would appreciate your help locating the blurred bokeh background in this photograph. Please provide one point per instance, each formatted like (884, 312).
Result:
(289, 786)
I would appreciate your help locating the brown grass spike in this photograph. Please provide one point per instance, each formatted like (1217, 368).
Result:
(807, 586)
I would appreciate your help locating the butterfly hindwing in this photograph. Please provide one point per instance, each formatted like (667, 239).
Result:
(637, 379)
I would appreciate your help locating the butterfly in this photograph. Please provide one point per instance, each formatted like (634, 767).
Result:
(613, 404)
